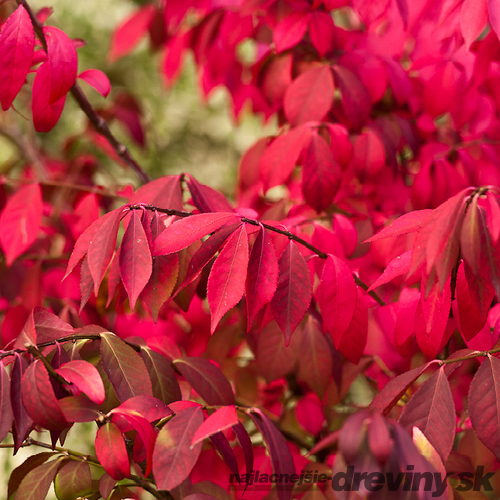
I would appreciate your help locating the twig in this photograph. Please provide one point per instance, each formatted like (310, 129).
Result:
(97, 121)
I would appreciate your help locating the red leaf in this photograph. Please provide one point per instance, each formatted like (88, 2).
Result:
(102, 245)
(493, 216)
(162, 282)
(207, 199)
(322, 32)
(262, 278)
(124, 367)
(136, 264)
(84, 376)
(222, 419)
(39, 398)
(173, 457)
(294, 291)
(473, 19)
(281, 156)
(407, 223)
(6, 413)
(321, 174)
(129, 33)
(368, 155)
(310, 96)
(97, 79)
(384, 401)
(17, 43)
(79, 409)
(289, 31)
(207, 380)
(45, 113)
(63, 62)
(226, 283)
(315, 360)
(337, 297)
(49, 327)
(281, 457)
(148, 407)
(398, 266)
(185, 231)
(164, 192)
(484, 404)
(111, 451)
(432, 410)
(20, 221)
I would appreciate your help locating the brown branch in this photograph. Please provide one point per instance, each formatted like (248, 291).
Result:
(97, 121)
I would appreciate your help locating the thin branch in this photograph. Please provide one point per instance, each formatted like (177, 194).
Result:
(97, 121)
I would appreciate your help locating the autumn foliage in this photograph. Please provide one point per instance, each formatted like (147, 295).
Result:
(341, 312)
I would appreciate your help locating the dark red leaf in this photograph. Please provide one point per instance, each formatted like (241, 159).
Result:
(281, 457)
(484, 404)
(294, 291)
(385, 400)
(79, 409)
(124, 367)
(136, 264)
(246, 445)
(207, 199)
(111, 451)
(39, 399)
(432, 410)
(162, 375)
(310, 96)
(173, 457)
(6, 413)
(207, 380)
(20, 221)
(73, 480)
(321, 174)
(49, 327)
(85, 377)
(17, 43)
(226, 283)
(187, 230)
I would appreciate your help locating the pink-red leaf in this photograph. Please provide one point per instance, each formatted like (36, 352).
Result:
(337, 297)
(222, 419)
(398, 266)
(164, 192)
(39, 398)
(432, 410)
(262, 278)
(310, 96)
(289, 31)
(111, 451)
(473, 18)
(62, 60)
(294, 291)
(136, 264)
(484, 404)
(494, 15)
(20, 221)
(226, 283)
(207, 199)
(85, 377)
(188, 230)
(173, 457)
(407, 223)
(96, 79)
(124, 367)
(322, 32)
(102, 245)
(17, 43)
(280, 157)
(129, 33)
(207, 380)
